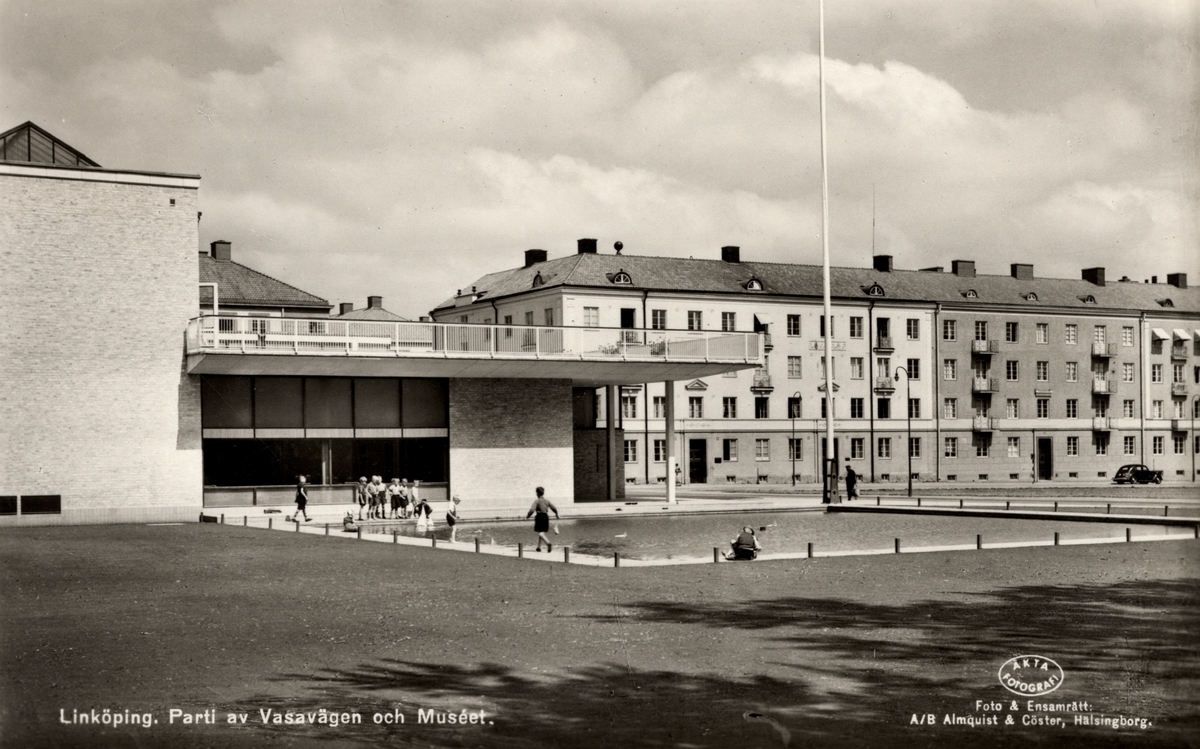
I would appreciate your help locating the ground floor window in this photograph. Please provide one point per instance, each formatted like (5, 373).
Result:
(1072, 445)
(1100, 440)
(276, 462)
(1130, 445)
(1014, 447)
(762, 449)
(1158, 445)
(1180, 441)
(729, 450)
(914, 447)
(660, 451)
(631, 451)
(795, 449)
(885, 447)
(857, 448)
(950, 447)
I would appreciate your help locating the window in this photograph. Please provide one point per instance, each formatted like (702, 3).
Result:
(914, 408)
(1156, 346)
(630, 451)
(762, 450)
(983, 445)
(793, 325)
(1043, 371)
(729, 408)
(914, 447)
(950, 408)
(824, 407)
(1180, 441)
(950, 369)
(762, 407)
(1072, 334)
(1127, 372)
(529, 318)
(856, 408)
(857, 448)
(1157, 446)
(1010, 332)
(658, 319)
(1012, 408)
(856, 368)
(1100, 334)
(950, 447)
(1014, 447)
(981, 330)
(1072, 408)
(1127, 408)
(1156, 410)
(795, 449)
(883, 408)
(884, 447)
(1011, 370)
(694, 320)
(949, 330)
(729, 450)
(794, 367)
(912, 327)
(1043, 332)
(1072, 446)
(660, 451)
(696, 407)
(660, 406)
(883, 365)
(1127, 336)
(794, 409)
(856, 327)
(629, 406)
(728, 322)
(1156, 373)
(1177, 374)
(822, 328)
(1179, 409)
(1129, 445)
(1043, 408)
(914, 369)
(591, 317)
(1100, 442)
(548, 316)
(833, 374)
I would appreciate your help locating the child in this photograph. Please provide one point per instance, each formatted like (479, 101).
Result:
(301, 499)
(452, 517)
(394, 493)
(377, 493)
(361, 495)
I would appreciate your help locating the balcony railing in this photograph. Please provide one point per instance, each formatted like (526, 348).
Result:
(1104, 350)
(1102, 423)
(985, 385)
(1179, 352)
(1104, 386)
(333, 337)
(1179, 389)
(884, 343)
(767, 345)
(761, 382)
(884, 384)
(985, 348)
(983, 424)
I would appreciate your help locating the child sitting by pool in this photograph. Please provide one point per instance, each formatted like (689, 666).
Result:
(745, 546)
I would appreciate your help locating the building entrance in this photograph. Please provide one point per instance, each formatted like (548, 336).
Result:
(697, 461)
(1045, 458)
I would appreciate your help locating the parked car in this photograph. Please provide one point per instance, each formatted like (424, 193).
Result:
(1136, 473)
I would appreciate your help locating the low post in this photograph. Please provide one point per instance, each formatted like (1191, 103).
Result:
(222, 518)
(327, 529)
(1196, 530)
(245, 520)
(960, 504)
(297, 526)
(1006, 504)
(1128, 535)
(434, 540)
(1056, 505)
(897, 546)
(616, 559)
(918, 501)
(810, 554)
(1166, 510)
(877, 501)
(358, 533)
(1056, 538)
(395, 537)
(270, 523)
(978, 540)
(477, 544)
(520, 550)
(566, 555)
(1108, 509)
(717, 553)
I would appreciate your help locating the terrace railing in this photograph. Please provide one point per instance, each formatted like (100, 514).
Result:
(333, 337)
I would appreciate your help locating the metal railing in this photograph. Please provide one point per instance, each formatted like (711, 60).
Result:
(885, 383)
(983, 423)
(985, 347)
(985, 385)
(762, 381)
(1104, 386)
(1102, 423)
(1104, 349)
(1179, 389)
(1179, 351)
(884, 343)
(333, 337)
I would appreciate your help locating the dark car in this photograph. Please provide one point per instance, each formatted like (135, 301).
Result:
(1136, 473)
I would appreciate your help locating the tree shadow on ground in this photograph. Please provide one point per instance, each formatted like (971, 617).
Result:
(845, 673)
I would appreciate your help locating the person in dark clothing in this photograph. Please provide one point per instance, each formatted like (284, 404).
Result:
(540, 512)
(745, 546)
(302, 499)
(851, 481)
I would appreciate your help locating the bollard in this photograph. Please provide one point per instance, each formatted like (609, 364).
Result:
(877, 501)
(1108, 509)
(222, 518)
(978, 540)
(477, 544)
(717, 553)
(520, 550)
(359, 533)
(566, 555)
(395, 537)
(918, 501)
(616, 559)
(897, 546)
(245, 520)
(1006, 504)
(1166, 509)
(1056, 538)
(434, 540)
(297, 526)
(1056, 505)
(810, 554)
(960, 504)
(1196, 530)
(1128, 535)
(327, 529)
(270, 523)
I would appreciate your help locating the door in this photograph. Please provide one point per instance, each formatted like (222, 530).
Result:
(697, 461)
(1045, 458)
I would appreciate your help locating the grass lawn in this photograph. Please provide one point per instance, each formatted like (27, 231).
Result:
(827, 652)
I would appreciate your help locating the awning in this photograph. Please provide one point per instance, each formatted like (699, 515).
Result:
(1160, 334)
(1182, 334)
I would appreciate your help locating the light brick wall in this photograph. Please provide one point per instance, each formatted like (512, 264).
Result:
(99, 282)
(508, 437)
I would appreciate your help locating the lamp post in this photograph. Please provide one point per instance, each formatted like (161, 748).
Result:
(1194, 399)
(908, 411)
(793, 407)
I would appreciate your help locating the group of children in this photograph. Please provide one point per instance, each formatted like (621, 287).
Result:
(397, 500)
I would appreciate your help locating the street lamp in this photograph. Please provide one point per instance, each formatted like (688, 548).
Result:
(793, 407)
(908, 410)
(1194, 399)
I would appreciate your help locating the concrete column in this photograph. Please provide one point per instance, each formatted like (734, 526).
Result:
(611, 411)
(669, 421)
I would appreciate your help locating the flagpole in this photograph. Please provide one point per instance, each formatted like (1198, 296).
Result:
(830, 483)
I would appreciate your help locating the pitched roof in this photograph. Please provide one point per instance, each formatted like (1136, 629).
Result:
(31, 144)
(590, 270)
(238, 285)
(377, 314)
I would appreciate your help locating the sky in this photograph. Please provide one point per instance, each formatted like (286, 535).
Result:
(404, 149)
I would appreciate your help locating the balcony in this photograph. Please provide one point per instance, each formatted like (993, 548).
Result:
(229, 344)
(885, 385)
(761, 383)
(1104, 350)
(767, 345)
(1103, 386)
(1102, 423)
(1179, 390)
(985, 385)
(985, 348)
(1179, 353)
(1181, 425)
(983, 424)
(883, 344)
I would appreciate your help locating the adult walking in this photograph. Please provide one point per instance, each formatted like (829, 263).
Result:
(540, 512)
(851, 481)
(302, 499)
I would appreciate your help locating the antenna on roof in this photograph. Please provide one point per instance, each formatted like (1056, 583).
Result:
(872, 219)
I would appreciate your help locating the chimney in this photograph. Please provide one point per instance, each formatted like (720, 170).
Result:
(1153, 279)
(533, 257)
(346, 307)
(1178, 280)
(587, 246)
(374, 302)
(1094, 275)
(1021, 271)
(731, 254)
(963, 268)
(221, 250)
(883, 263)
